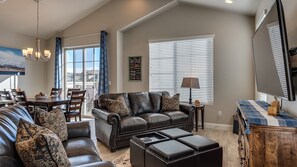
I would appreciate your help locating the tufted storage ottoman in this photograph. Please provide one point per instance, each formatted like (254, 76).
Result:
(175, 133)
(209, 152)
(138, 145)
(170, 154)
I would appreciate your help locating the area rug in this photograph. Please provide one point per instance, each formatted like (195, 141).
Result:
(123, 160)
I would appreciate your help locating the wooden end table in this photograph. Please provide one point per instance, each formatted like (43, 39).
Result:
(197, 108)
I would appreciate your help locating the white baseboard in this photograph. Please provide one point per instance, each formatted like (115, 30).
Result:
(218, 126)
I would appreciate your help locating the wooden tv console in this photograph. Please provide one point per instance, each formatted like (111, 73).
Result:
(265, 145)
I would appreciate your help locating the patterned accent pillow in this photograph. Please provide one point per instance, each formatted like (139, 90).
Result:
(38, 146)
(54, 121)
(117, 106)
(170, 103)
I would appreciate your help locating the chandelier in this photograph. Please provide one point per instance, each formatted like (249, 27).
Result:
(29, 53)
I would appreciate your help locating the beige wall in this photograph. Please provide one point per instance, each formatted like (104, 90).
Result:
(233, 70)
(112, 17)
(34, 80)
(291, 24)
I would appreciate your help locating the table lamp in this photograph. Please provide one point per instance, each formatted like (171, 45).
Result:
(190, 82)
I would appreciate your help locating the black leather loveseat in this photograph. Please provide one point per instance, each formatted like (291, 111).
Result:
(145, 116)
(80, 149)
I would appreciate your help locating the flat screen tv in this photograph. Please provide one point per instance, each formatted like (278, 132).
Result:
(271, 55)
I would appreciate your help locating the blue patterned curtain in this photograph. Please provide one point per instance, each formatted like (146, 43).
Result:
(58, 61)
(103, 74)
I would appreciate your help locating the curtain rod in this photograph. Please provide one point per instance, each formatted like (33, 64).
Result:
(84, 35)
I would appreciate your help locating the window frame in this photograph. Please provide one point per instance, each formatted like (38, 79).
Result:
(210, 37)
(64, 64)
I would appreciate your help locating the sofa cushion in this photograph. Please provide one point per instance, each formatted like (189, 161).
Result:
(113, 96)
(170, 103)
(131, 124)
(156, 119)
(140, 103)
(54, 121)
(80, 146)
(156, 100)
(117, 106)
(177, 116)
(38, 146)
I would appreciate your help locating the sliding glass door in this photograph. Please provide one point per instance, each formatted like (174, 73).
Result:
(82, 71)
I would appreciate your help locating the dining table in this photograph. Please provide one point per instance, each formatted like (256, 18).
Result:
(48, 102)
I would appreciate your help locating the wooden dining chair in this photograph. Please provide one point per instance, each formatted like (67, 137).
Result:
(10, 92)
(6, 98)
(75, 105)
(70, 90)
(56, 92)
(5, 95)
(20, 98)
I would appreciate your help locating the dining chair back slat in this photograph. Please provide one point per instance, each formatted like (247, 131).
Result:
(70, 90)
(74, 108)
(56, 92)
(75, 105)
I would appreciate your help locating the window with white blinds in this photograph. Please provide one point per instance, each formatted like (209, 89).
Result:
(277, 52)
(172, 60)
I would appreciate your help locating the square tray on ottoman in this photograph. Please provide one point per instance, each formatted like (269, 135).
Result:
(170, 154)
(175, 133)
(209, 152)
(138, 145)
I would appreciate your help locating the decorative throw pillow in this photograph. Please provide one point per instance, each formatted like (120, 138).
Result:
(54, 121)
(38, 146)
(170, 103)
(117, 106)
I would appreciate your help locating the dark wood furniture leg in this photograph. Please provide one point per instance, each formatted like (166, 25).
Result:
(202, 117)
(196, 118)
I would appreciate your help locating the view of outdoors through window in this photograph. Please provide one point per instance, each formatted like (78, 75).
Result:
(82, 71)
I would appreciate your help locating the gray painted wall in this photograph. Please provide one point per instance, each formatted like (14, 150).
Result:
(233, 68)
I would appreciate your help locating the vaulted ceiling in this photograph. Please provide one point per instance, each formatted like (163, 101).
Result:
(55, 15)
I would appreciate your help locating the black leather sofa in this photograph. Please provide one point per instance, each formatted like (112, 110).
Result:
(146, 116)
(80, 149)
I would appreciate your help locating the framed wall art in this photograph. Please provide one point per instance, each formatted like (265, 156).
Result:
(135, 68)
(12, 61)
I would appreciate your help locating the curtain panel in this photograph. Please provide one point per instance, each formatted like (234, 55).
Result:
(58, 61)
(103, 74)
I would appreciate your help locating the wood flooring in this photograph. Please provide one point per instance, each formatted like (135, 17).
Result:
(225, 138)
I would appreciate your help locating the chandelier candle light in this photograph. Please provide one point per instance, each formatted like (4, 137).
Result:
(190, 82)
(28, 53)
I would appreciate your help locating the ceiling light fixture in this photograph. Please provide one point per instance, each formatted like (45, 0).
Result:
(28, 53)
(229, 1)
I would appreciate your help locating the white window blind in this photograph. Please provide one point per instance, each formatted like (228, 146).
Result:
(172, 60)
(276, 45)
(262, 96)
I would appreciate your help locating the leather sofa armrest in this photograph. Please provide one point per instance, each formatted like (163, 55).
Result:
(187, 108)
(98, 164)
(110, 118)
(78, 129)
